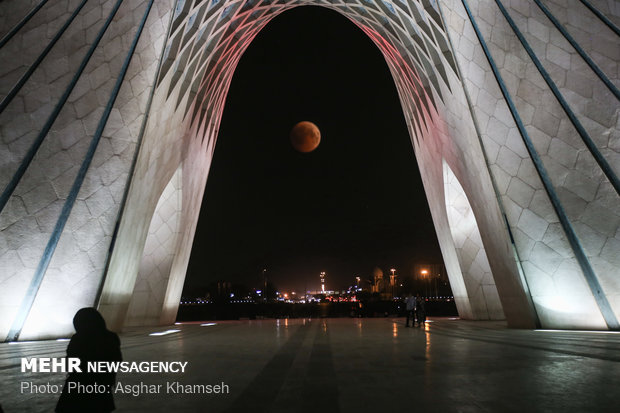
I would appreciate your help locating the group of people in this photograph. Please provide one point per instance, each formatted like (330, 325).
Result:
(415, 310)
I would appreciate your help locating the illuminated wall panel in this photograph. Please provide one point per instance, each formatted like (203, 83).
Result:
(472, 257)
(159, 251)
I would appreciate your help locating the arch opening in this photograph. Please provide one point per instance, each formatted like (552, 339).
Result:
(483, 301)
(151, 288)
(353, 204)
(189, 100)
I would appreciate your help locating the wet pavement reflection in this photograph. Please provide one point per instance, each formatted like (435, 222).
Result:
(353, 365)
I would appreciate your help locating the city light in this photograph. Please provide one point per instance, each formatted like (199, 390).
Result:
(577, 331)
(163, 333)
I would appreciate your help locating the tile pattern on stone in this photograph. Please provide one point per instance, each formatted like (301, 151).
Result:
(470, 250)
(78, 262)
(148, 297)
(579, 182)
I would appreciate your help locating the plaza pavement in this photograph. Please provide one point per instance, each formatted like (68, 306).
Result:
(348, 365)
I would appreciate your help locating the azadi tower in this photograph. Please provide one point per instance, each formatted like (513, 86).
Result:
(110, 113)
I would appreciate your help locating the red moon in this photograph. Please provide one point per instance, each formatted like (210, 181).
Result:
(305, 137)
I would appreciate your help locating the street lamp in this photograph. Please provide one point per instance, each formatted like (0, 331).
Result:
(424, 274)
(393, 280)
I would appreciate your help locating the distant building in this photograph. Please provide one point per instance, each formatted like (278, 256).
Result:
(386, 288)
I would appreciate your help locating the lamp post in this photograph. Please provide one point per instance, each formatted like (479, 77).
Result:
(393, 280)
(424, 274)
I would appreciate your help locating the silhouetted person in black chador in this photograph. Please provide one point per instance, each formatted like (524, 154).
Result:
(92, 341)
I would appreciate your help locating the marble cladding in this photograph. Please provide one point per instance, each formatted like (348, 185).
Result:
(152, 282)
(559, 291)
(472, 257)
(28, 220)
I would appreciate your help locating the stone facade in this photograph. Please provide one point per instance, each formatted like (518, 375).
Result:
(167, 113)
(75, 271)
(555, 279)
(152, 282)
(472, 257)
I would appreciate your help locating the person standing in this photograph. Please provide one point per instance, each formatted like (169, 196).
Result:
(92, 341)
(410, 302)
(420, 310)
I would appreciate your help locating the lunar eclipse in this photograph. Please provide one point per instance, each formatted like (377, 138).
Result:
(305, 137)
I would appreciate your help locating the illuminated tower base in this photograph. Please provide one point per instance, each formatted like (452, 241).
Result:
(512, 115)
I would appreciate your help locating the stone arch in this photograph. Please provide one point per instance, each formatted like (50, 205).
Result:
(474, 268)
(204, 46)
(147, 299)
(460, 70)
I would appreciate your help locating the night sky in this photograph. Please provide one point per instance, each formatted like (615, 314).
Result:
(353, 204)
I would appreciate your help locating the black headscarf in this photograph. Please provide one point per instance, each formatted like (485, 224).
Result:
(89, 321)
(92, 341)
